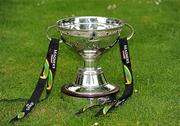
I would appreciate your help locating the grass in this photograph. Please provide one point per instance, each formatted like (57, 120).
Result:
(154, 53)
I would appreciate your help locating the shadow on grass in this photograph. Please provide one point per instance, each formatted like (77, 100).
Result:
(13, 100)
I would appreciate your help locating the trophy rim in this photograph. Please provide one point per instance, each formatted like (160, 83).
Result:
(91, 29)
(120, 22)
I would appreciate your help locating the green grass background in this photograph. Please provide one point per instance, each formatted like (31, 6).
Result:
(155, 55)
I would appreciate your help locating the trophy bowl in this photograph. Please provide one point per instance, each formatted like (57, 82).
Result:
(90, 36)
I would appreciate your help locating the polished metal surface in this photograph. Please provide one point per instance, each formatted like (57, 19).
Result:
(90, 83)
(89, 26)
(89, 32)
(90, 36)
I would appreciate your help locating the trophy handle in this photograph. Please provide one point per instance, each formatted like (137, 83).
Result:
(47, 32)
(132, 31)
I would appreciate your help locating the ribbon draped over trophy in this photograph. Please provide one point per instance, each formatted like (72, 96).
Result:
(90, 37)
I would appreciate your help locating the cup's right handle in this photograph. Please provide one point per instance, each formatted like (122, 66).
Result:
(132, 31)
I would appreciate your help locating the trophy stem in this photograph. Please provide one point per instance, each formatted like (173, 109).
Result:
(89, 63)
(89, 59)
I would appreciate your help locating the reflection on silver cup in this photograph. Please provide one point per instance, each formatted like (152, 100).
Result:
(90, 36)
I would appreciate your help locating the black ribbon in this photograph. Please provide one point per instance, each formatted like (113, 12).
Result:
(48, 74)
(128, 79)
(46, 77)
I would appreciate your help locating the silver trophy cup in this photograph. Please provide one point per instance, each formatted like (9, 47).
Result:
(90, 37)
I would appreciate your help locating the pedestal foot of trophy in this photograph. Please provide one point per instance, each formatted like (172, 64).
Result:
(91, 83)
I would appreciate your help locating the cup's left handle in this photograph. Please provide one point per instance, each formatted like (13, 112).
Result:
(47, 32)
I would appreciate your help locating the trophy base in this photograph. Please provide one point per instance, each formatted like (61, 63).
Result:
(86, 102)
(83, 92)
(90, 83)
